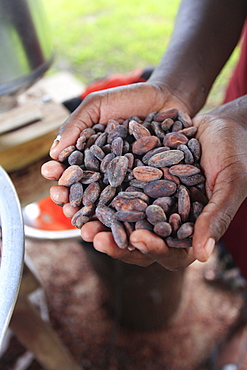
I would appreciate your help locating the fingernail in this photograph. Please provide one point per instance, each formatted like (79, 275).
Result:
(56, 141)
(209, 246)
(141, 247)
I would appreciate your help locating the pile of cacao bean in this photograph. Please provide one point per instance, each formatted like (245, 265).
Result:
(138, 174)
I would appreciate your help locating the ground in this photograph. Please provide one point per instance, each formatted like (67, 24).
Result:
(76, 304)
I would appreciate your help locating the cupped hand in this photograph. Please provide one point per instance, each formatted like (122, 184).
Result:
(223, 138)
(121, 102)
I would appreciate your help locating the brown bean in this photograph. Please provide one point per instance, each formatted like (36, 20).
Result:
(181, 170)
(105, 215)
(163, 229)
(75, 194)
(183, 203)
(185, 230)
(130, 216)
(143, 224)
(166, 158)
(160, 188)
(66, 153)
(147, 173)
(174, 139)
(91, 194)
(168, 113)
(116, 170)
(155, 214)
(71, 175)
(145, 144)
(178, 243)
(138, 130)
(175, 222)
(107, 194)
(119, 235)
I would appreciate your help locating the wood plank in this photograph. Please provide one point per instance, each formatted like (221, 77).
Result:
(24, 146)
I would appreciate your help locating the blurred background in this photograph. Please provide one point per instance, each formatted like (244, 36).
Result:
(97, 38)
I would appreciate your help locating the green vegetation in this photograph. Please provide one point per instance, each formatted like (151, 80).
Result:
(96, 38)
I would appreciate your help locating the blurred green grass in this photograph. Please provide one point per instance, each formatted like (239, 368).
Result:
(97, 38)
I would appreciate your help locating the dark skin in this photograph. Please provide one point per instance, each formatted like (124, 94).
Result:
(205, 34)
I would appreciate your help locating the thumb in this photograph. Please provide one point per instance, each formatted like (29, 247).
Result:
(215, 219)
(83, 117)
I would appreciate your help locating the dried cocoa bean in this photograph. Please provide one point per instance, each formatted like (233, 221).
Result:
(150, 153)
(138, 130)
(168, 176)
(97, 152)
(164, 202)
(66, 153)
(105, 215)
(75, 194)
(168, 113)
(130, 216)
(90, 176)
(178, 243)
(124, 204)
(116, 170)
(117, 146)
(175, 222)
(155, 214)
(195, 148)
(166, 158)
(160, 188)
(119, 235)
(183, 203)
(147, 173)
(181, 170)
(107, 195)
(185, 230)
(91, 194)
(71, 175)
(192, 180)
(163, 229)
(184, 118)
(145, 144)
(188, 156)
(174, 139)
(76, 157)
(143, 224)
(177, 126)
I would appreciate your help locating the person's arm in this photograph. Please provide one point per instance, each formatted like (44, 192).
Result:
(205, 34)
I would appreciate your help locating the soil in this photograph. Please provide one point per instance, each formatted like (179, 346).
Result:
(77, 305)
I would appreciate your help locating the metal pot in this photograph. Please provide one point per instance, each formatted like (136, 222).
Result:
(26, 48)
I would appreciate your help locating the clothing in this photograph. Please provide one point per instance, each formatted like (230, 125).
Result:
(235, 238)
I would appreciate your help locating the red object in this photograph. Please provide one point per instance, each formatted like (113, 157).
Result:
(235, 238)
(114, 80)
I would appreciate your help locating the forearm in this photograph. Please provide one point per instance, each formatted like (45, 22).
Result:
(205, 34)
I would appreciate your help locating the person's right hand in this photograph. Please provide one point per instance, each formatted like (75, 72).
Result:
(223, 137)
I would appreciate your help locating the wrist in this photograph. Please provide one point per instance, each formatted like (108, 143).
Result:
(191, 94)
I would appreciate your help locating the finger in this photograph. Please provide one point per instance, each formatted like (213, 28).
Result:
(52, 170)
(104, 242)
(69, 211)
(90, 229)
(84, 116)
(154, 247)
(59, 194)
(215, 219)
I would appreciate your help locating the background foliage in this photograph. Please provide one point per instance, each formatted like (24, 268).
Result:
(96, 38)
